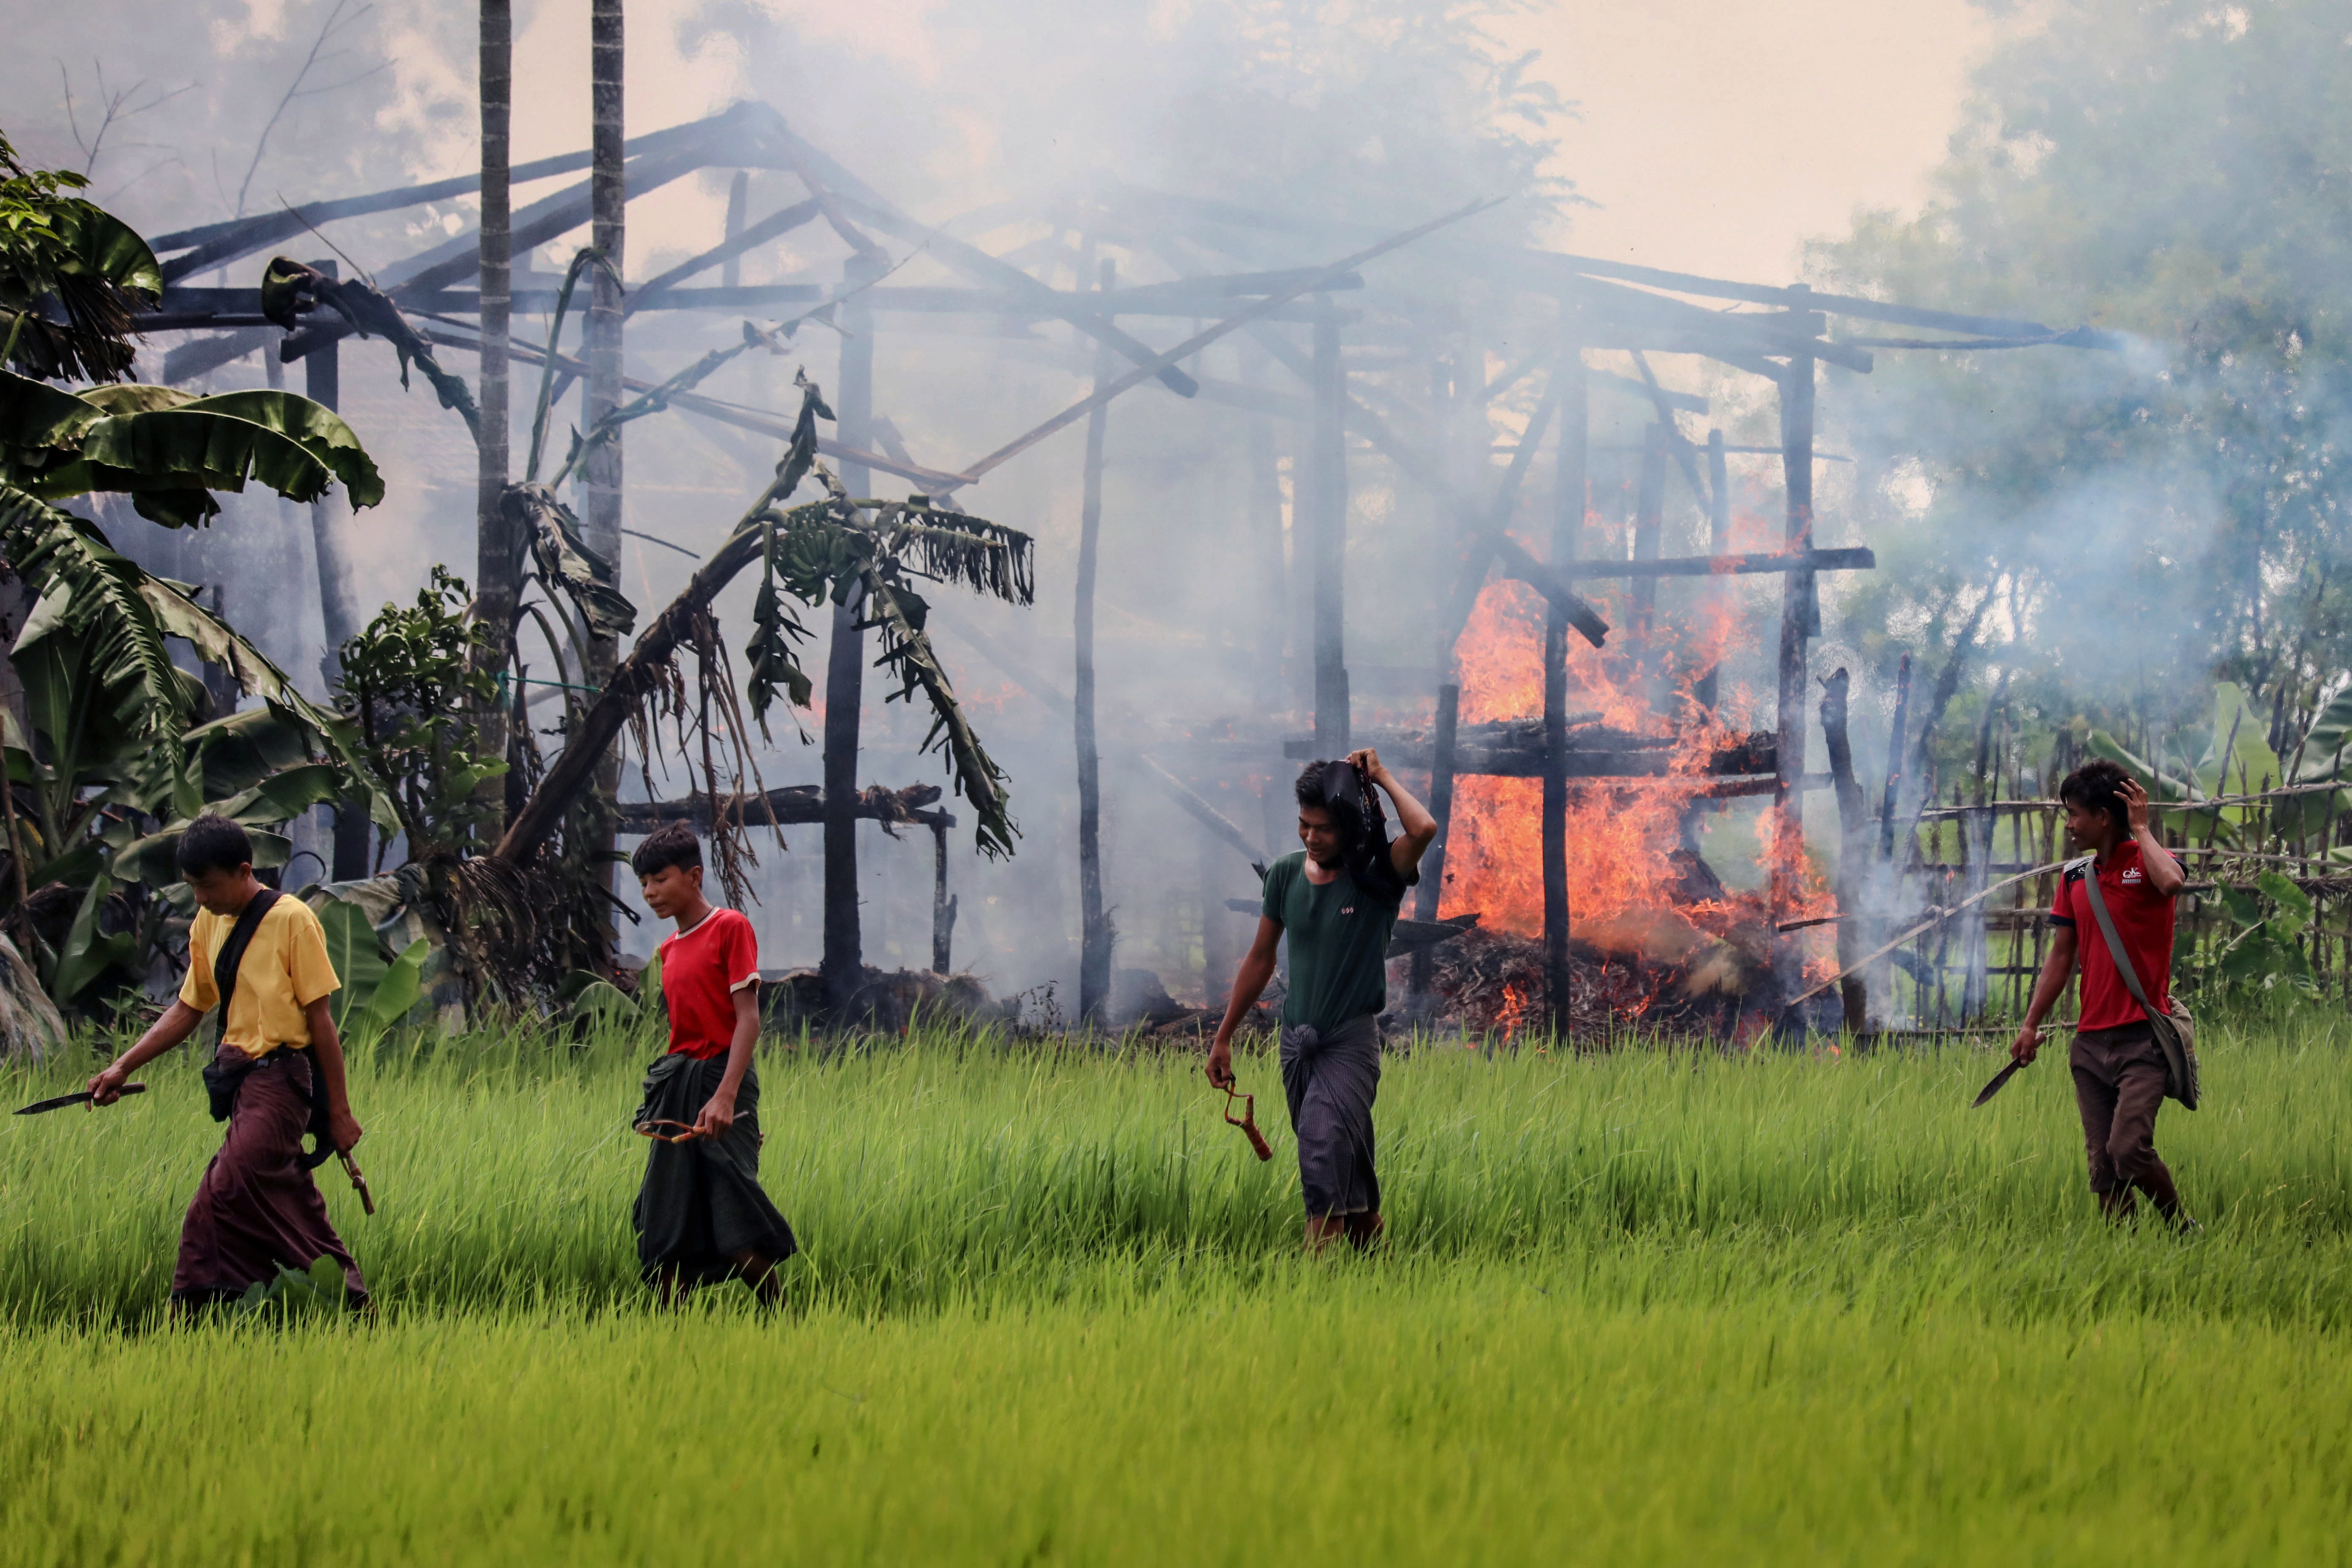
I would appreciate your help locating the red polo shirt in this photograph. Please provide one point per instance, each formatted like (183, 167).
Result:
(2142, 919)
(701, 970)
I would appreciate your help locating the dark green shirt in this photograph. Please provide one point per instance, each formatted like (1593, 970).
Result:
(1338, 936)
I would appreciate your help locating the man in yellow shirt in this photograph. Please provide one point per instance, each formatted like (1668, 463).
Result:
(256, 1210)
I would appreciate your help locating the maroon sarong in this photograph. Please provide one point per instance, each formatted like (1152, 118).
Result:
(257, 1210)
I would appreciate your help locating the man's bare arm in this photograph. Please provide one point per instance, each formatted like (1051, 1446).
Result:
(719, 1110)
(2055, 970)
(178, 1022)
(2163, 872)
(1417, 828)
(1249, 982)
(327, 1059)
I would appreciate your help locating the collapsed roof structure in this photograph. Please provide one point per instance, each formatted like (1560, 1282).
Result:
(1228, 271)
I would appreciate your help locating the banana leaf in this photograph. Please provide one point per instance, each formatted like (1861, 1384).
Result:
(397, 994)
(565, 562)
(357, 953)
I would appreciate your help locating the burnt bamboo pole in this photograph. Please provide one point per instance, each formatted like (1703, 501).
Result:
(1095, 936)
(842, 969)
(1567, 543)
(1426, 896)
(495, 585)
(1328, 534)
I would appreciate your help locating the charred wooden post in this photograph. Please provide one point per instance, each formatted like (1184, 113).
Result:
(1273, 605)
(1853, 847)
(1886, 805)
(495, 581)
(1719, 537)
(1095, 934)
(1649, 512)
(1566, 543)
(1426, 896)
(843, 966)
(1328, 532)
(339, 598)
(1799, 610)
(943, 904)
(739, 203)
(600, 471)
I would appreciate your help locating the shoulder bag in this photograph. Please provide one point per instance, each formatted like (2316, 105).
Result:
(2174, 1030)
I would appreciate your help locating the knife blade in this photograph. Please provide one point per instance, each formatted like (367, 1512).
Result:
(2000, 1081)
(61, 1101)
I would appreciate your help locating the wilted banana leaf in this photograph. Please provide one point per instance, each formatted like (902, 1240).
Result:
(565, 562)
(288, 288)
(907, 652)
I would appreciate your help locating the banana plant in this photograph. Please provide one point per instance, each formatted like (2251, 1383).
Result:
(72, 275)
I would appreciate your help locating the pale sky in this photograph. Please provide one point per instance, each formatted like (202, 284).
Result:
(1717, 134)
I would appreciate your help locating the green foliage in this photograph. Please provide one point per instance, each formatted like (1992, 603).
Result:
(408, 680)
(2171, 514)
(60, 251)
(119, 754)
(378, 991)
(168, 450)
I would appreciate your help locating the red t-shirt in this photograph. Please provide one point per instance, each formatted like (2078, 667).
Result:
(701, 970)
(2142, 919)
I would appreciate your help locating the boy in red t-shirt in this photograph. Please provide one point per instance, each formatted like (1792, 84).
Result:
(701, 1215)
(2119, 1070)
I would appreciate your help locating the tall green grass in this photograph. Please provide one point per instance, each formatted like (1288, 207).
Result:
(1416, 1411)
(961, 1169)
(1653, 1306)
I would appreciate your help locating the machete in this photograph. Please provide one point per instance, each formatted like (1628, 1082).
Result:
(61, 1101)
(2000, 1081)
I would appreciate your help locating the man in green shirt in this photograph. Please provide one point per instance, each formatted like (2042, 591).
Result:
(1337, 900)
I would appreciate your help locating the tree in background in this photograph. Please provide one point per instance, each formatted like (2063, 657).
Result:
(2140, 525)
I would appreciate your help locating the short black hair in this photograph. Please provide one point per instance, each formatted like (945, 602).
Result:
(1317, 783)
(671, 844)
(2098, 787)
(214, 843)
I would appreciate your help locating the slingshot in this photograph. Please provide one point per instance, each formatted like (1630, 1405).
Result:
(654, 1130)
(1247, 1121)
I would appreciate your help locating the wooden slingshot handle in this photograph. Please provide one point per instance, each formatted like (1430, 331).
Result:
(1247, 1121)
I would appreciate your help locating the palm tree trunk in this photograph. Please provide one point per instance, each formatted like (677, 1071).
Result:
(494, 575)
(339, 599)
(1095, 935)
(843, 966)
(601, 476)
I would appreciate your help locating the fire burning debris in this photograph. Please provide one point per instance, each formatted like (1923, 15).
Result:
(1656, 940)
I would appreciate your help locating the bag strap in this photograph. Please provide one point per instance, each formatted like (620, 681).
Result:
(2114, 942)
(231, 957)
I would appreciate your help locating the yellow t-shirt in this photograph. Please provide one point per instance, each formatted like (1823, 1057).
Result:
(286, 969)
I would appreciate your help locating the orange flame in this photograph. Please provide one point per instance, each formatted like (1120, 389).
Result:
(1622, 835)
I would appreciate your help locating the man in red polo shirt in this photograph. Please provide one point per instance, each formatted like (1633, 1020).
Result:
(2119, 1070)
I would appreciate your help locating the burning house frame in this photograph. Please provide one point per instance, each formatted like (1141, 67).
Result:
(1636, 741)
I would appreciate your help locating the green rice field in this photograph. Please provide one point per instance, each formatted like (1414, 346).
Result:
(1650, 1306)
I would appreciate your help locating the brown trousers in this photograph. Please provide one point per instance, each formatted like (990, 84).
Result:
(2119, 1078)
(257, 1210)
